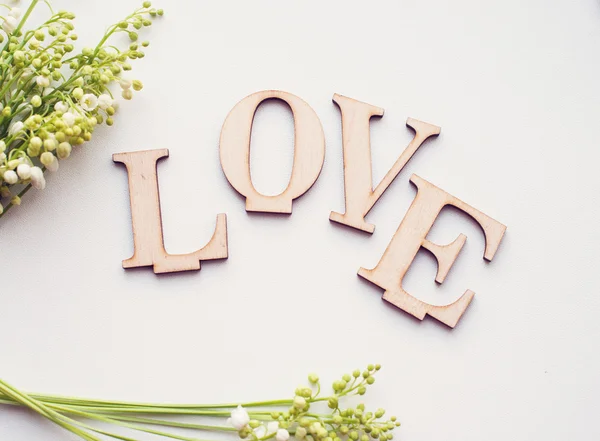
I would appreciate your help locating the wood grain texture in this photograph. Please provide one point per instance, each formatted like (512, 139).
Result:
(309, 151)
(358, 180)
(411, 236)
(148, 242)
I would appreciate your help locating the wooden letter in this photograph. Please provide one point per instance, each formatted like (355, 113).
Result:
(149, 249)
(309, 151)
(411, 236)
(358, 180)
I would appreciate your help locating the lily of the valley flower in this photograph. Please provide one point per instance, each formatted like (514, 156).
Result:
(104, 101)
(10, 24)
(37, 178)
(239, 418)
(89, 102)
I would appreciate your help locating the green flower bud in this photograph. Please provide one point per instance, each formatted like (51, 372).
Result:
(379, 413)
(74, 37)
(78, 93)
(299, 402)
(133, 36)
(36, 101)
(16, 200)
(47, 158)
(60, 136)
(371, 380)
(39, 35)
(364, 438)
(160, 12)
(64, 150)
(123, 25)
(254, 423)
(337, 419)
(49, 145)
(353, 435)
(362, 390)
(110, 121)
(69, 48)
(347, 378)
(332, 403)
(244, 433)
(146, 43)
(371, 367)
(147, 4)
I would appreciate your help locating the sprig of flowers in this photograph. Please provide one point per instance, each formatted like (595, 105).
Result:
(51, 98)
(259, 421)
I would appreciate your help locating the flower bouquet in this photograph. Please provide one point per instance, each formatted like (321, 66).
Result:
(52, 97)
(259, 421)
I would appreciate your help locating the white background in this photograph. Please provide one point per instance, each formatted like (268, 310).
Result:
(515, 87)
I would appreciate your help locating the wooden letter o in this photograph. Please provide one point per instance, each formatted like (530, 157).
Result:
(309, 151)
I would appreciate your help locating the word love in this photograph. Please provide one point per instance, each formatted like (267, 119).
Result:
(309, 154)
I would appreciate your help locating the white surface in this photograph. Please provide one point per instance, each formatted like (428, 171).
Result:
(514, 86)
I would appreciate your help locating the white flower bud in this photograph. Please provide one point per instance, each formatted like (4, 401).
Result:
(10, 24)
(104, 101)
(2, 146)
(10, 177)
(300, 433)
(125, 83)
(299, 402)
(24, 171)
(15, 128)
(15, 12)
(42, 81)
(37, 178)
(282, 435)
(239, 418)
(272, 427)
(69, 119)
(127, 94)
(50, 161)
(61, 107)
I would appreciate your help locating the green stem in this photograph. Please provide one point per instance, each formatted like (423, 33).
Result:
(43, 411)
(84, 402)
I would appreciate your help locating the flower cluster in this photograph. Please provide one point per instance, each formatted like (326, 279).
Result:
(277, 420)
(52, 98)
(298, 420)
